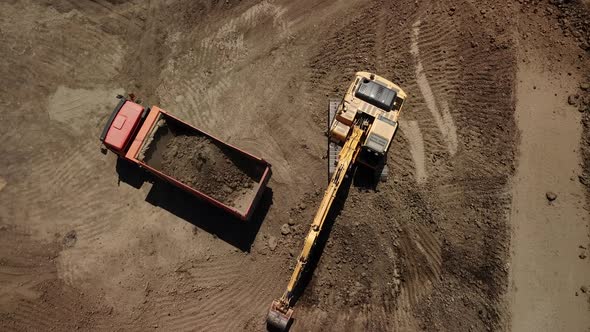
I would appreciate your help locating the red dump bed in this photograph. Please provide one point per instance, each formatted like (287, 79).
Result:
(146, 147)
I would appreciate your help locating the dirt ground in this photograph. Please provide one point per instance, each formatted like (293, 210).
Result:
(482, 226)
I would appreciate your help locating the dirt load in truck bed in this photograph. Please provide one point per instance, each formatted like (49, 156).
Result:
(198, 162)
(201, 163)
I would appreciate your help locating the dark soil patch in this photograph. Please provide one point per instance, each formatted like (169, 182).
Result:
(70, 239)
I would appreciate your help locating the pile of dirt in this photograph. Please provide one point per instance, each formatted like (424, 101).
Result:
(573, 18)
(198, 162)
(574, 21)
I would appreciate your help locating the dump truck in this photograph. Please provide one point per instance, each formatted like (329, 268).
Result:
(187, 157)
(362, 127)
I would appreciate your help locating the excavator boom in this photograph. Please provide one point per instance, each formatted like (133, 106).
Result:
(280, 312)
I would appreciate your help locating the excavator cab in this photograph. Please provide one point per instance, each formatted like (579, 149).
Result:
(376, 102)
(376, 94)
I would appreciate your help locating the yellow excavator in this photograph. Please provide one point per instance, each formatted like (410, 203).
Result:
(362, 127)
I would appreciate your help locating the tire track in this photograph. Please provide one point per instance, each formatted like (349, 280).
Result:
(26, 302)
(423, 269)
(229, 292)
(33, 317)
(44, 314)
(74, 188)
(440, 112)
(67, 190)
(53, 56)
(412, 131)
(57, 180)
(22, 270)
(381, 31)
(221, 50)
(474, 238)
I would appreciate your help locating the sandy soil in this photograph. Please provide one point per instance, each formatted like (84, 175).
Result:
(547, 272)
(449, 243)
(550, 237)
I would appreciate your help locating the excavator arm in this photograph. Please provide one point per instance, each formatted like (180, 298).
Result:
(368, 113)
(280, 311)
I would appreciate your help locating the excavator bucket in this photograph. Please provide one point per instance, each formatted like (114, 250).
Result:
(278, 319)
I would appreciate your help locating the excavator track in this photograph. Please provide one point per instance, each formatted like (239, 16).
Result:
(333, 148)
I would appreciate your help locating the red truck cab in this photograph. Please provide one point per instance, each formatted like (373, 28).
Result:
(122, 125)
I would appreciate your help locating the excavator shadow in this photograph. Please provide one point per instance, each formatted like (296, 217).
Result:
(364, 178)
(238, 233)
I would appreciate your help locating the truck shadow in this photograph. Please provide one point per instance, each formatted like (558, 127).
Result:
(236, 232)
(130, 173)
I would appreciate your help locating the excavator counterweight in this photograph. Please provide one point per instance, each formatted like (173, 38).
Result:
(364, 126)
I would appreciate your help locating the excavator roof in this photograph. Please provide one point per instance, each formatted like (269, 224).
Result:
(376, 94)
